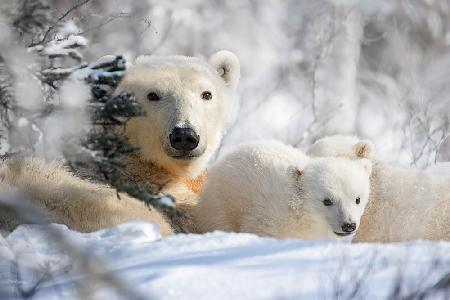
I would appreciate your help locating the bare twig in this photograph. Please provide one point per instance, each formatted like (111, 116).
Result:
(54, 25)
(108, 20)
(164, 36)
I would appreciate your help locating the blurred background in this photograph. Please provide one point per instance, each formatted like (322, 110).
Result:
(377, 69)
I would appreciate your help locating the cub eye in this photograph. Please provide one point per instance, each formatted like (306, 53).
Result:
(358, 200)
(327, 202)
(152, 96)
(206, 95)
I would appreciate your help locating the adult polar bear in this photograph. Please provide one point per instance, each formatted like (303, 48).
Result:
(404, 204)
(187, 101)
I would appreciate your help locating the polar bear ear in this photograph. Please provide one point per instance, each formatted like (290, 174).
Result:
(364, 149)
(366, 164)
(296, 172)
(227, 66)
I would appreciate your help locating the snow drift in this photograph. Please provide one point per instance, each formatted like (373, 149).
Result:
(211, 266)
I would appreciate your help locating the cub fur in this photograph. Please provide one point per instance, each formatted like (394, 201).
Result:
(404, 204)
(271, 189)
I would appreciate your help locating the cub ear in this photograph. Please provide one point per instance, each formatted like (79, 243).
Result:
(364, 149)
(366, 164)
(296, 172)
(227, 66)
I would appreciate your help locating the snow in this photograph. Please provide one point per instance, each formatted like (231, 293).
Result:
(166, 201)
(216, 265)
(65, 46)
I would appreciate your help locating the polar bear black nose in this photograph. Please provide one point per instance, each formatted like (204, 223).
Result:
(349, 227)
(184, 139)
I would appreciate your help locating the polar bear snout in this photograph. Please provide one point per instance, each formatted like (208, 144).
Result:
(348, 227)
(184, 139)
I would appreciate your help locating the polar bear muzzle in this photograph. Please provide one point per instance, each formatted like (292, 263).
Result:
(183, 143)
(184, 139)
(347, 229)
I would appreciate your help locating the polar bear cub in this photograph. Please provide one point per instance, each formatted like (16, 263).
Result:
(342, 146)
(405, 203)
(271, 189)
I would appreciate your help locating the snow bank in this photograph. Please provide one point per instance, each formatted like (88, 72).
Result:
(213, 266)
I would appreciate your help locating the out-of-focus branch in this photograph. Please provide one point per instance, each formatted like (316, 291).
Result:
(58, 21)
(108, 20)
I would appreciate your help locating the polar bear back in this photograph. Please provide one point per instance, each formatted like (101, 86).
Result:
(241, 188)
(406, 204)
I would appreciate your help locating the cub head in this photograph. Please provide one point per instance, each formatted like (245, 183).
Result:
(334, 193)
(342, 145)
(187, 102)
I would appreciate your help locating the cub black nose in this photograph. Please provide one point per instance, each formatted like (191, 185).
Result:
(349, 227)
(184, 139)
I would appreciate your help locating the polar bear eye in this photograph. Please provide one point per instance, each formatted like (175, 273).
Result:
(152, 96)
(327, 202)
(358, 200)
(206, 95)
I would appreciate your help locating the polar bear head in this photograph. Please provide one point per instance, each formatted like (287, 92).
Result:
(333, 192)
(187, 102)
(342, 145)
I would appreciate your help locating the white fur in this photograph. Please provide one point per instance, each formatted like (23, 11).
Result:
(343, 145)
(404, 204)
(258, 189)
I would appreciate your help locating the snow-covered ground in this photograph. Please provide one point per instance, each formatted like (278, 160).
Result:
(211, 266)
